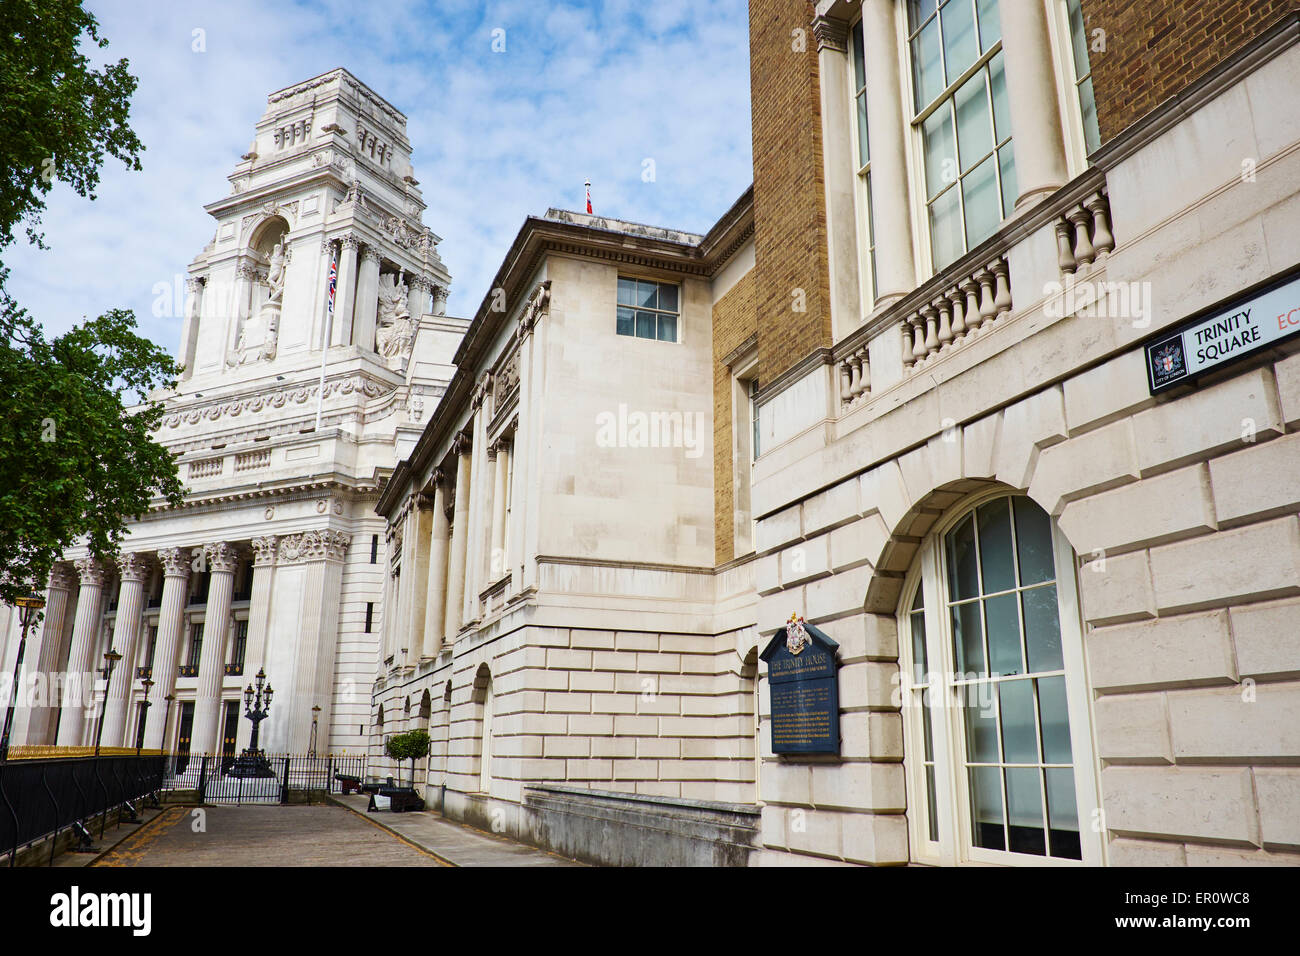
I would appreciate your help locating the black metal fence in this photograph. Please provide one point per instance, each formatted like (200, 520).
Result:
(223, 778)
(45, 797)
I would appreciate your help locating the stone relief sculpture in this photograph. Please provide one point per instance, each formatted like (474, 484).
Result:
(259, 332)
(275, 276)
(396, 330)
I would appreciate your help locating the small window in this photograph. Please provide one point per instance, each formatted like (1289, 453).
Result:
(370, 615)
(647, 310)
(374, 548)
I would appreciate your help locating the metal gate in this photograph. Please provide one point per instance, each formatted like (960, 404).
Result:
(224, 779)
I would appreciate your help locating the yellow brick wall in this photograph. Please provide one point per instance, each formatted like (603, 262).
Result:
(734, 320)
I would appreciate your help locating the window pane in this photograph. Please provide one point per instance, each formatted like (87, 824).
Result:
(986, 808)
(960, 44)
(945, 229)
(962, 580)
(645, 293)
(1007, 165)
(981, 724)
(1003, 625)
(1019, 727)
(859, 61)
(940, 151)
(1042, 629)
(667, 328)
(1025, 812)
(990, 28)
(668, 298)
(625, 320)
(926, 718)
(1088, 105)
(1078, 39)
(1001, 108)
(927, 68)
(626, 291)
(1033, 543)
(864, 143)
(968, 641)
(974, 124)
(920, 657)
(1055, 720)
(983, 207)
(918, 11)
(930, 811)
(1063, 814)
(645, 325)
(995, 545)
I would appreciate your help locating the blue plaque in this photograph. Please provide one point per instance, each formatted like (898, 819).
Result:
(804, 687)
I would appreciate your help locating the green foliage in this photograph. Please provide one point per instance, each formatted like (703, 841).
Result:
(59, 115)
(74, 462)
(408, 746)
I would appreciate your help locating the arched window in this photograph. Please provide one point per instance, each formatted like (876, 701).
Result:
(483, 696)
(998, 739)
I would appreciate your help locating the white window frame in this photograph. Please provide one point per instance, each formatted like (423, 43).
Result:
(923, 245)
(1067, 91)
(861, 182)
(681, 308)
(954, 845)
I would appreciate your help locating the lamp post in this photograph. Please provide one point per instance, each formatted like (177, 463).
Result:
(147, 684)
(27, 608)
(167, 716)
(315, 713)
(111, 657)
(257, 704)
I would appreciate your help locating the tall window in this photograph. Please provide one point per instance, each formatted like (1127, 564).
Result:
(1083, 74)
(648, 310)
(999, 765)
(960, 110)
(866, 225)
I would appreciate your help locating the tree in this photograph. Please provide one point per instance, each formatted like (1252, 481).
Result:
(409, 746)
(59, 115)
(75, 461)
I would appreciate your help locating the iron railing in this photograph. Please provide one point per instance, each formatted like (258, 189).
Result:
(218, 778)
(43, 797)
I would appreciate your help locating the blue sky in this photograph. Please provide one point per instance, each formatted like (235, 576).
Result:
(589, 89)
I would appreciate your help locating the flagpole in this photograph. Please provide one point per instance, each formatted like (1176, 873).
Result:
(325, 342)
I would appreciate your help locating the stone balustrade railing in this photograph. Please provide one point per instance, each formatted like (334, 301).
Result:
(965, 310)
(252, 460)
(1083, 234)
(207, 467)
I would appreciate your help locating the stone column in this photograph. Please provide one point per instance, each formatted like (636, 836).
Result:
(497, 559)
(887, 129)
(1035, 112)
(132, 570)
(40, 723)
(345, 292)
(80, 676)
(259, 616)
(479, 505)
(459, 542)
(241, 303)
(439, 300)
(363, 322)
(435, 610)
(532, 391)
(839, 166)
(417, 297)
(312, 680)
(171, 617)
(222, 561)
(415, 605)
(190, 330)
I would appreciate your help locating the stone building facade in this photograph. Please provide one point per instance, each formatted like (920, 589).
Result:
(1065, 600)
(286, 419)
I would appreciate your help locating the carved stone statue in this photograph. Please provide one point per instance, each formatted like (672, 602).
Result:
(275, 275)
(395, 332)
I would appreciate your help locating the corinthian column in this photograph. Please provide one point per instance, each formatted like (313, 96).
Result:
(497, 559)
(222, 561)
(132, 570)
(80, 677)
(40, 723)
(171, 617)
(345, 292)
(435, 612)
(1035, 112)
(363, 322)
(259, 616)
(459, 542)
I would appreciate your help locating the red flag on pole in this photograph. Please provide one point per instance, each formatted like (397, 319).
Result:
(588, 185)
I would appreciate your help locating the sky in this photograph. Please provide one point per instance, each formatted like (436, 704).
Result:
(647, 98)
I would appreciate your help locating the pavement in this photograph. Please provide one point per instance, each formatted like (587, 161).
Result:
(453, 843)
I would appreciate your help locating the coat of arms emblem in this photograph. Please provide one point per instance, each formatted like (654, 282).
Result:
(796, 635)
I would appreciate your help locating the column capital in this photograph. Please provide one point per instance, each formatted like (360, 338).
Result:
(439, 477)
(349, 241)
(370, 253)
(221, 556)
(90, 570)
(461, 444)
(175, 562)
(132, 566)
(314, 546)
(831, 34)
(537, 308)
(62, 576)
(264, 550)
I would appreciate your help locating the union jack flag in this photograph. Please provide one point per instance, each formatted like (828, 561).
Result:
(334, 279)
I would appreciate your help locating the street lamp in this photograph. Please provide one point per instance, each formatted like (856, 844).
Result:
(27, 608)
(111, 657)
(167, 716)
(315, 713)
(257, 704)
(147, 684)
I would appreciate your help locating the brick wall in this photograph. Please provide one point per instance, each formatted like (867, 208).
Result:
(789, 193)
(1154, 48)
(734, 320)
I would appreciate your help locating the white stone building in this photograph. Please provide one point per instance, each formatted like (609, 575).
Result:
(285, 422)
